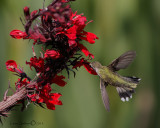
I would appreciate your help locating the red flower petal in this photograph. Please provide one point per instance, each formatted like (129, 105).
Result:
(72, 43)
(21, 83)
(18, 34)
(71, 36)
(47, 89)
(85, 50)
(80, 22)
(90, 37)
(32, 97)
(11, 65)
(86, 65)
(59, 80)
(53, 101)
(35, 98)
(36, 35)
(38, 64)
(54, 98)
(51, 54)
(89, 69)
(73, 15)
(50, 106)
(71, 32)
(33, 13)
(79, 63)
(26, 13)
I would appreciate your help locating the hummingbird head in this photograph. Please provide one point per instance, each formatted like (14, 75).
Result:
(95, 65)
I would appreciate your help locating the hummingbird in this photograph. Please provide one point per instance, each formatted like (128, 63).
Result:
(125, 86)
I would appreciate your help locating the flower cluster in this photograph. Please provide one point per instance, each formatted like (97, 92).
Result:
(60, 32)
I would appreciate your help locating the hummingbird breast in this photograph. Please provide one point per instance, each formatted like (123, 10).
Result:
(114, 79)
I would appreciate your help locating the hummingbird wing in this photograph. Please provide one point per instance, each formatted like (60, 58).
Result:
(123, 61)
(104, 94)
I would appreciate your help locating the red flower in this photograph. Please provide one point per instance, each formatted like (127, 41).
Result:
(76, 31)
(18, 34)
(34, 97)
(44, 96)
(89, 68)
(33, 13)
(85, 50)
(11, 65)
(20, 83)
(45, 92)
(36, 35)
(79, 21)
(26, 13)
(52, 54)
(59, 80)
(88, 36)
(86, 65)
(72, 43)
(71, 33)
(38, 64)
(53, 100)
(41, 94)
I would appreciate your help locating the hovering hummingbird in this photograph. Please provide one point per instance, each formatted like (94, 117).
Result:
(108, 76)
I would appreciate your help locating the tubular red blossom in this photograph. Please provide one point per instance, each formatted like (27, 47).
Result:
(53, 100)
(20, 83)
(80, 22)
(71, 33)
(18, 34)
(26, 13)
(33, 13)
(78, 64)
(36, 35)
(72, 43)
(34, 98)
(85, 50)
(76, 30)
(90, 37)
(44, 96)
(11, 65)
(52, 54)
(46, 89)
(59, 80)
(85, 63)
(89, 69)
(38, 64)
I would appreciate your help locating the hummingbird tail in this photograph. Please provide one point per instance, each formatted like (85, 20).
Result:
(133, 79)
(125, 93)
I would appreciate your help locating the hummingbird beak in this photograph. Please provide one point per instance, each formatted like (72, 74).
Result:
(90, 64)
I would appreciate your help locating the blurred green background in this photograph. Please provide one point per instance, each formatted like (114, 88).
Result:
(121, 25)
